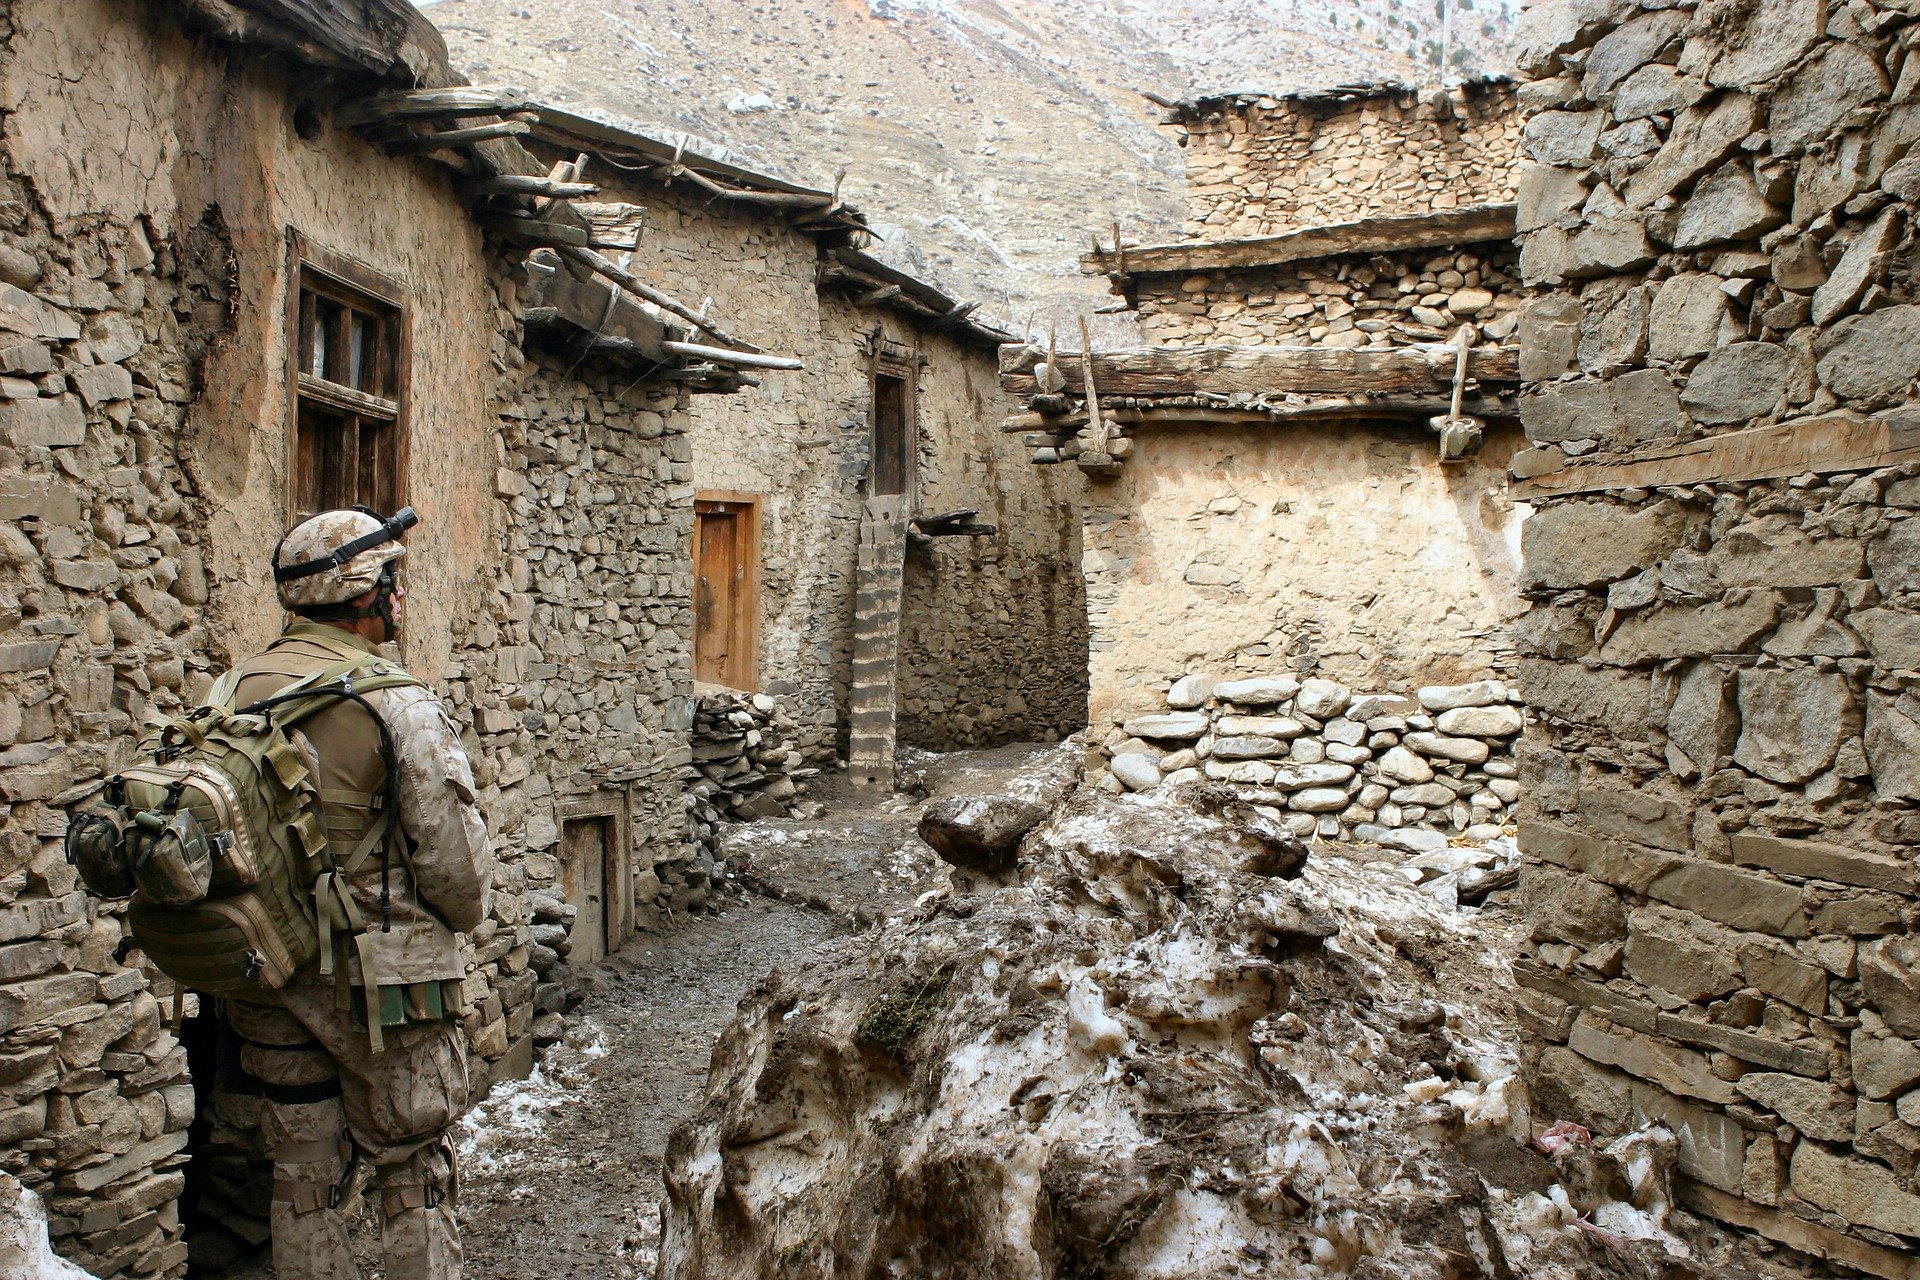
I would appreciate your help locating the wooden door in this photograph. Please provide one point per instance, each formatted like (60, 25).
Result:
(892, 436)
(726, 604)
(586, 847)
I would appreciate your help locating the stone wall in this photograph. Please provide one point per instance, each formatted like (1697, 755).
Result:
(1259, 166)
(1402, 770)
(1719, 790)
(1252, 551)
(579, 675)
(989, 643)
(1380, 300)
(797, 442)
(993, 637)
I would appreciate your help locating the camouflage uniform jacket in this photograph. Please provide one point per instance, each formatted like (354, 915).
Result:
(439, 878)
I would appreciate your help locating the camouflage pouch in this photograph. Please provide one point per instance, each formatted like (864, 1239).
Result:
(97, 848)
(172, 858)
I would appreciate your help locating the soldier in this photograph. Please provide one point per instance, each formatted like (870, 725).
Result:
(332, 1095)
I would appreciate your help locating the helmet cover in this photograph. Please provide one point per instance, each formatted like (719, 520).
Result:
(320, 536)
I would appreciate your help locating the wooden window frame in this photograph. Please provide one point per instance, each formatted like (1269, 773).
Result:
(315, 268)
(902, 365)
(745, 659)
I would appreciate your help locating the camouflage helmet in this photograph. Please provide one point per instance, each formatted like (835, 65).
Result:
(332, 557)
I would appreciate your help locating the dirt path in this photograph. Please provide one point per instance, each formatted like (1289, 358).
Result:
(562, 1171)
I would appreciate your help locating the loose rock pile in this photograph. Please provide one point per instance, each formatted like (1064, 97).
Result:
(558, 989)
(1399, 770)
(744, 767)
(1145, 1057)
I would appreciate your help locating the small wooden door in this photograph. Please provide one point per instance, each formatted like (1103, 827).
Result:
(586, 850)
(726, 603)
(892, 436)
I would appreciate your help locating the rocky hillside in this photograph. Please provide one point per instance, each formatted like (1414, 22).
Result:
(999, 134)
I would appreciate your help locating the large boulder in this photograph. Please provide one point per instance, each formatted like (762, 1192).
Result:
(1144, 1058)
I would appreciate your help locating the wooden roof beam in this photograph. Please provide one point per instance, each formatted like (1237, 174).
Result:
(1420, 369)
(1472, 225)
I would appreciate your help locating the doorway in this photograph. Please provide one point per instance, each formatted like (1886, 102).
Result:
(593, 875)
(726, 589)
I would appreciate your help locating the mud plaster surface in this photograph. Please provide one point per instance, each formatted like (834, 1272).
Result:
(1352, 545)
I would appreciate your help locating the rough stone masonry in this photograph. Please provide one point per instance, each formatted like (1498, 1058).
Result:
(1719, 790)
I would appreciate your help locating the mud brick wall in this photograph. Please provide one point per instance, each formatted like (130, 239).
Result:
(1352, 300)
(1349, 553)
(1719, 790)
(1259, 166)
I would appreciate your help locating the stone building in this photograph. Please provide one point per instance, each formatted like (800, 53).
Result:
(1269, 500)
(1722, 644)
(197, 348)
(878, 470)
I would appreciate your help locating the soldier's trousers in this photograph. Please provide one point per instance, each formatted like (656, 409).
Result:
(329, 1100)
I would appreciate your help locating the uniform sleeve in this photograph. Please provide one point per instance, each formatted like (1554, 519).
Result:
(452, 860)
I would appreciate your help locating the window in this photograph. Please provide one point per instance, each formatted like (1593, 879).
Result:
(726, 589)
(893, 416)
(347, 383)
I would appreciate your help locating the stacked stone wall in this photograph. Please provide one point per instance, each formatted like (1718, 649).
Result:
(1720, 788)
(744, 767)
(1381, 300)
(993, 636)
(579, 674)
(1403, 770)
(1262, 166)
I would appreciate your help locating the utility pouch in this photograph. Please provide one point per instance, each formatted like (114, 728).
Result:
(172, 858)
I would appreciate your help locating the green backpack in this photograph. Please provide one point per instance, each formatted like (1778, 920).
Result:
(218, 835)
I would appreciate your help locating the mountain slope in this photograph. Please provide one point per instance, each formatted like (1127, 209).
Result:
(997, 133)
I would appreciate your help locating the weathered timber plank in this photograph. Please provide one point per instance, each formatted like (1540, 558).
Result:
(1422, 368)
(432, 104)
(1318, 411)
(1841, 441)
(1371, 235)
(380, 35)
